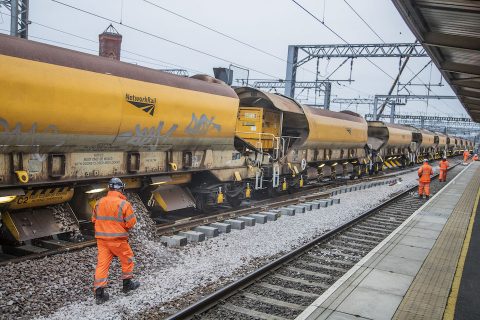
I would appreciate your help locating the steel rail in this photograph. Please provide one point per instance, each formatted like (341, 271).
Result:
(299, 197)
(188, 223)
(211, 300)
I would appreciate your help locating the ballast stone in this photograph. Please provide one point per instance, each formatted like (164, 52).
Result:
(193, 236)
(259, 218)
(249, 221)
(222, 227)
(174, 241)
(235, 224)
(210, 232)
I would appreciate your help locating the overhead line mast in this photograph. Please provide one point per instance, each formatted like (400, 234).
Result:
(18, 17)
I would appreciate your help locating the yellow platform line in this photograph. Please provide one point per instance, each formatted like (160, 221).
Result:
(449, 313)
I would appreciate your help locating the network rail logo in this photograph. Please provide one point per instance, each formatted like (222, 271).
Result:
(144, 103)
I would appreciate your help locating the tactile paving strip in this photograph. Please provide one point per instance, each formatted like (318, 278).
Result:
(428, 294)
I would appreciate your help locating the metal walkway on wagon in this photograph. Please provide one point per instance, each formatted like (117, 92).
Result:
(424, 270)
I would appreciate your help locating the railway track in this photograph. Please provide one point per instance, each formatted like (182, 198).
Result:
(168, 229)
(283, 288)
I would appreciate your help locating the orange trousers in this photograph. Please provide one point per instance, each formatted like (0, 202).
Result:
(424, 188)
(107, 249)
(443, 175)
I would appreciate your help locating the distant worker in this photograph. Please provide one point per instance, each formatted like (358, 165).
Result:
(443, 169)
(424, 174)
(475, 157)
(466, 154)
(113, 217)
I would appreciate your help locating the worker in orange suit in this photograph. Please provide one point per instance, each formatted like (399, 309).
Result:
(443, 170)
(475, 157)
(466, 154)
(113, 217)
(424, 174)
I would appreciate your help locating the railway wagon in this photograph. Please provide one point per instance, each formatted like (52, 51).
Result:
(302, 142)
(69, 121)
(428, 145)
(442, 143)
(391, 145)
(470, 146)
(452, 146)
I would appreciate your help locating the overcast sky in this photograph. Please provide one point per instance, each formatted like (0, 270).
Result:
(267, 25)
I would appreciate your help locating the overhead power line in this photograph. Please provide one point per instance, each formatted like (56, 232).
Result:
(163, 63)
(339, 36)
(364, 21)
(214, 30)
(223, 34)
(123, 49)
(160, 37)
(322, 22)
(381, 39)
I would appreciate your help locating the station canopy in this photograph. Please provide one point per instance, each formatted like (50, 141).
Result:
(450, 32)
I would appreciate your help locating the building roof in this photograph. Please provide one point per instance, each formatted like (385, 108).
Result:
(450, 32)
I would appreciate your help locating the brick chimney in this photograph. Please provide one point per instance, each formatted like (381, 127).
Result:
(110, 42)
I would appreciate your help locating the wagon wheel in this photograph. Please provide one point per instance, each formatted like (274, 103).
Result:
(201, 202)
(235, 201)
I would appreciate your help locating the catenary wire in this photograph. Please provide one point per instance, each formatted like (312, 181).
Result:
(223, 34)
(166, 63)
(163, 63)
(161, 38)
(408, 68)
(340, 37)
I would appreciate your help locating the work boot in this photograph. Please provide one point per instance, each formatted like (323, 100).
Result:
(101, 296)
(129, 285)
(427, 197)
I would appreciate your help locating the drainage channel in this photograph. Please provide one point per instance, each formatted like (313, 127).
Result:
(283, 288)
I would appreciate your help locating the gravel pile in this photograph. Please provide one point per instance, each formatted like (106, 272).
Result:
(64, 217)
(168, 275)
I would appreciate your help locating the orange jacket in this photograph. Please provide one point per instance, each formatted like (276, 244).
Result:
(113, 216)
(466, 154)
(444, 165)
(475, 158)
(425, 172)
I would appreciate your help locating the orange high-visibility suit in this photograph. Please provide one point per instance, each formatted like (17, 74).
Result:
(424, 174)
(443, 170)
(466, 154)
(113, 216)
(475, 158)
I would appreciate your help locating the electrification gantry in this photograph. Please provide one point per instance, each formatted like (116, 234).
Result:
(18, 17)
(348, 51)
(452, 125)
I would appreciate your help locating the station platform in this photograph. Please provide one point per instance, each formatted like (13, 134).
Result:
(428, 268)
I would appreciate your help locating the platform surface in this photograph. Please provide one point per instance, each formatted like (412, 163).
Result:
(410, 274)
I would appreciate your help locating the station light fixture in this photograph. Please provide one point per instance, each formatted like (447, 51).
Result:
(96, 188)
(322, 165)
(8, 195)
(333, 165)
(6, 199)
(156, 181)
(346, 162)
